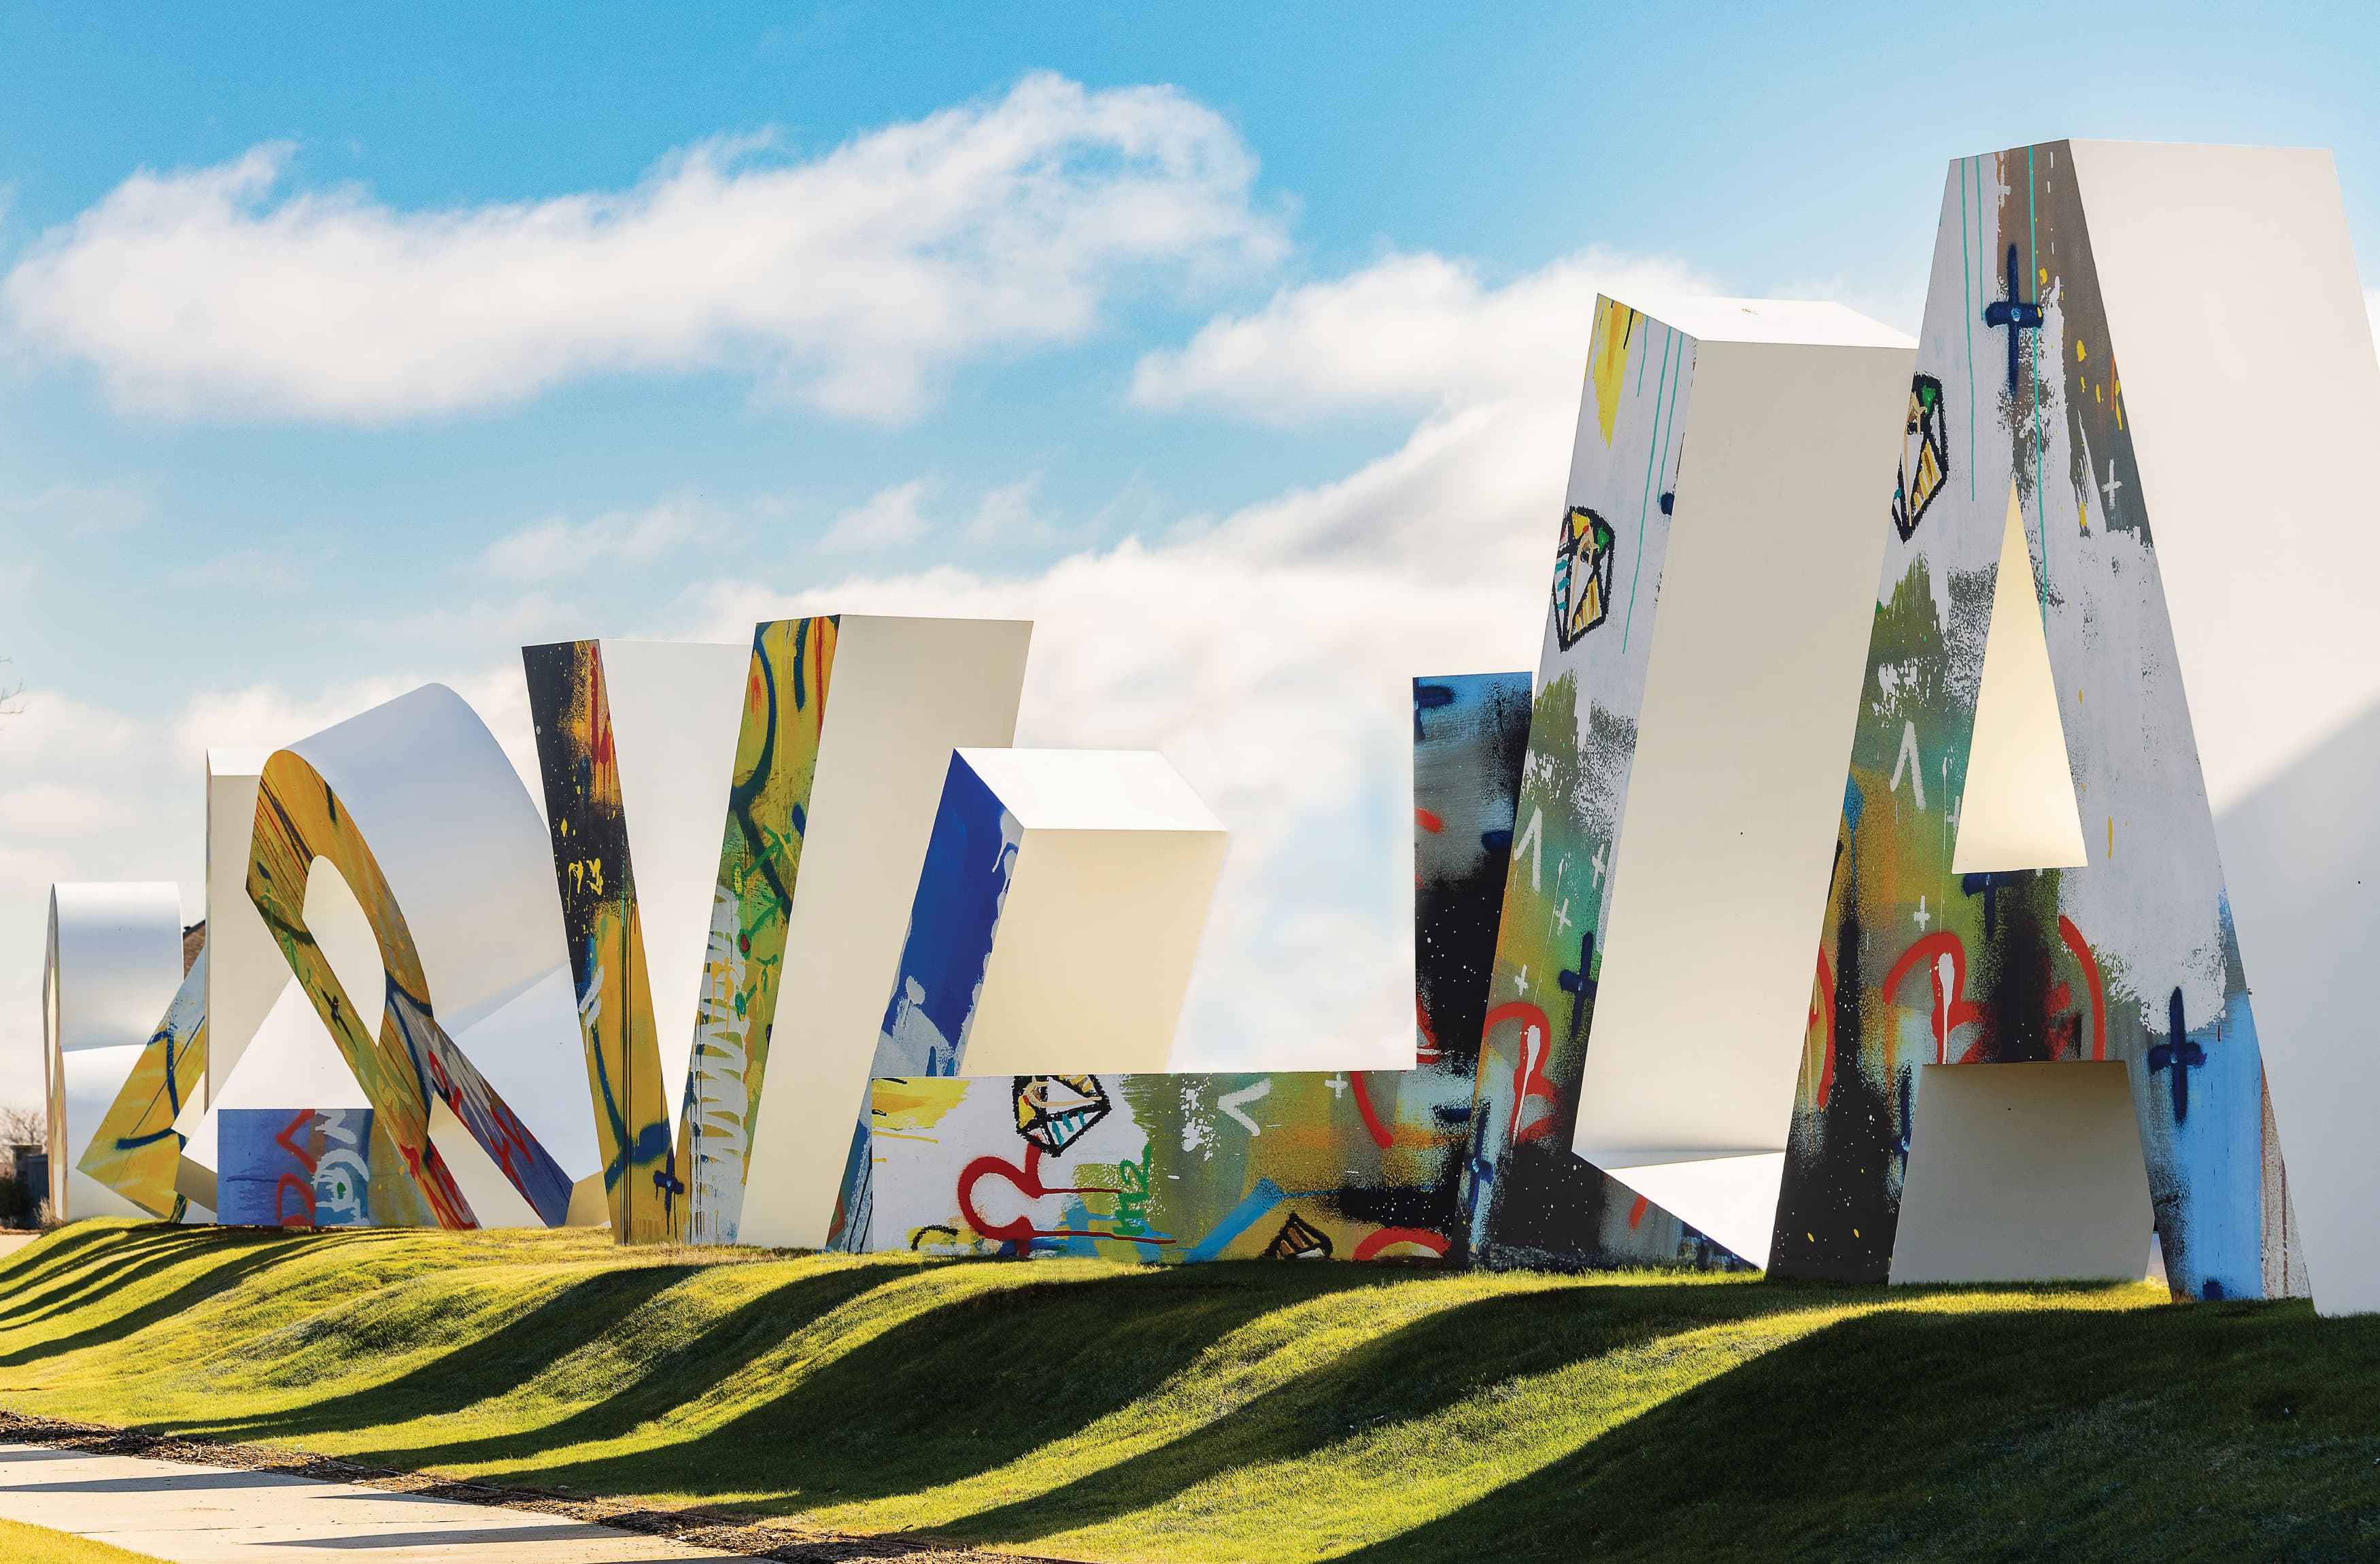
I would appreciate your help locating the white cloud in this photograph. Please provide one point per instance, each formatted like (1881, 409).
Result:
(1413, 330)
(849, 281)
(1005, 517)
(82, 510)
(888, 516)
(558, 546)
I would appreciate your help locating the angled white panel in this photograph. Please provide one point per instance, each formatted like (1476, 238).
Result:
(2023, 1173)
(1721, 872)
(2017, 811)
(1733, 1198)
(245, 969)
(676, 708)
(1101, 923)
(2231, 293)
(90, 1079)
(529, 1051)
(905, 693)
(290, 1063)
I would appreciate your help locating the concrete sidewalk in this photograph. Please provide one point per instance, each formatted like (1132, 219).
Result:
(202, 1514)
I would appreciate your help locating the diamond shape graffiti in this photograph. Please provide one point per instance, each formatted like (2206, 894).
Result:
(1053, 1111)
(1925, 456)
(1582, 574)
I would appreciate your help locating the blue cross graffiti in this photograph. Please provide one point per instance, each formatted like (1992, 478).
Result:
(1580, 985)
(2179, 1054)
(2016, 312)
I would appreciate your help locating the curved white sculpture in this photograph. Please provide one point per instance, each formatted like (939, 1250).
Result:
(115, 959)
(414, 808)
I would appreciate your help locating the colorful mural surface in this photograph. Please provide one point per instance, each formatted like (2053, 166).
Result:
(2129, 957)
(412, 1061)
(1351, 1165)
(307, 1168)
(970, 859)
(588, 828)
(136, 1151)
(768, 813)
(1527, 1199)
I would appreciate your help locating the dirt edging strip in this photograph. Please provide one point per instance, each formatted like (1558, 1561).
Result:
(789, 1538)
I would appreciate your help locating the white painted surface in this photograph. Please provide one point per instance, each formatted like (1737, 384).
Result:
(1101, 928)
(1091, 789)
(1766, 601)
(905, 693)
(2017, 811)
(113, 960)
(343, 934)
(2023, 1173)
(676, 708)
(90, 1081)
(212, 1515)
(291, 1062)
(2252, 394)
(245, 968)
(1734, 1198)
(494, 1202)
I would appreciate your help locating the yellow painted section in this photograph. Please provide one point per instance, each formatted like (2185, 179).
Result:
(1607, 361)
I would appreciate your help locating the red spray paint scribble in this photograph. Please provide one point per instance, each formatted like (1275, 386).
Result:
(2082, 948)
(1951, 1011)
(1380, 1136)
(1822, 1013)
(299, 1123)
(1636, 1212)
(1529, 1072)
(1421, 1238)
(1028, 1181)
(1427, 821)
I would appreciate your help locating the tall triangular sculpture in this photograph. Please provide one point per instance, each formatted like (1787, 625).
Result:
(2161, 351)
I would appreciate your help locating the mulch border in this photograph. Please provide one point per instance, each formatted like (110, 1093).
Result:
(791, 1538)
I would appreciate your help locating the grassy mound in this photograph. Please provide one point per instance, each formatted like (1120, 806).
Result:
(1236, 1411)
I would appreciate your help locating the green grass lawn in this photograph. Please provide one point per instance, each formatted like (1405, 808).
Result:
(1261, 1411)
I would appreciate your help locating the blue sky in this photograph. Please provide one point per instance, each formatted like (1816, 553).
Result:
(342, 348)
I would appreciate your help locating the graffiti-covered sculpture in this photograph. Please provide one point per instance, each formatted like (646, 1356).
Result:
(844, 728)
(2100, 600)
(1701, 653)
(399, 865)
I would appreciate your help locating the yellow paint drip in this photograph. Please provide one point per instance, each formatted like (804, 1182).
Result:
(1606, 361)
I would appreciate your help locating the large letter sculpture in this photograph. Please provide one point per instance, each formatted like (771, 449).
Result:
(415, 811)
(1701, 654)
(2125, 348)
(806, 892)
